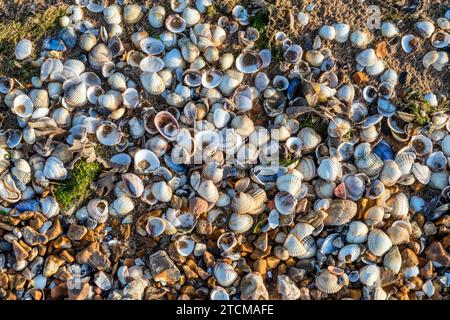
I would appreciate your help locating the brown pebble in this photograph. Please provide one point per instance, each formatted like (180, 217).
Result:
(58, 291)
(19, 251)
(409, 258)
(272, 262)
(62, 243)
(55, 231)
(76, 232)
(436, 252)
(209, 259)
(260, 266)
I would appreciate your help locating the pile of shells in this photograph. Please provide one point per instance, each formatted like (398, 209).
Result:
(213, 186)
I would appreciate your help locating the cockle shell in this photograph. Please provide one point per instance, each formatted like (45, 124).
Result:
(54, 169)
(242, 202)
(340, 212)
(224, 274)
(378, 242)
(329, 283)
(399, 205)
(290, 182)
(240, 223)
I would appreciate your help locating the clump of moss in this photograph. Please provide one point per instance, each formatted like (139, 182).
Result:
(211, 11)
(33, 28)
(76, 186)
(259, 22)
(315, 122)
(413, 101)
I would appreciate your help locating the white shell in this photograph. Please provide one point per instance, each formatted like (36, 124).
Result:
(54, 169)
(378, 242)
(224, 274)
(23, 49)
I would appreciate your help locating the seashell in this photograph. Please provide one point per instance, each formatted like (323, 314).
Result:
(310, 139)
(99, 55)
(421, 172)
(369, 275)
(301, 249)
(145, 162)
(440, 39)
(285, 202)
(218, 293)
(151, 46)
(349, 253)
(327, 32)
(155, 227)
(307, 168)
(302, 230)
(346, 93)
(367, 58)
(225, 274)
(422, 145)
(173, 59)
(342, 32)
(156, 16)
(208, 191)
(242, 202)
(360, 39)
(112, 14)
(152, 83)
(399, 205)
(405, 161)
(184, 246)
(175, 23)
(226, 61)
(389, 29)
(132, 13)
(374, 215)
(240, 223)
(378, 242)
(39, 98)
(108, 134)
(49, 207)
(98, 210)
(54, 169)
(410, 43)
(329, 169)
(22, 106)
(393, 260)
(290, 182)
(437, 161)
(24, 49)
(293, 54)
(249, 62)
(439, 180)
(314, 58)
(376, 69)
(294, 146)
(424, 28)
(191, 16)
(211, 78)
(340, 212)
(357, 232)
(151, 64)
(134, 184)
(398, 234)
(6, 85)
(329, 283)
(122, 206)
